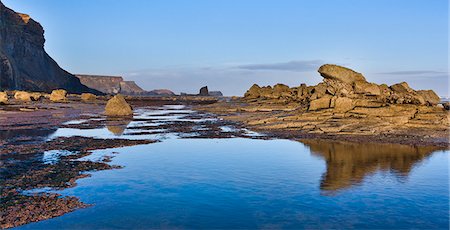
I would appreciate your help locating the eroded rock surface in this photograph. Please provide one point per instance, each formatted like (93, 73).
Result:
(343, 104)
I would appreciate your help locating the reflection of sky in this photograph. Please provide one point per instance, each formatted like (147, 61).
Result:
(224, 183)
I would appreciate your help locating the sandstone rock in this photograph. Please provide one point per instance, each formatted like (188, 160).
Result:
(88, 97)
(254, 92)
(204, 91)
(343, 104)
(363, 87)
(429, 96)
(281, 90)
(117, 106)
(340, 73)
(321, 103)
(319, 91)
(401, 88)
(266, 92)
(22, 96)
(3, 98)
(58, 95)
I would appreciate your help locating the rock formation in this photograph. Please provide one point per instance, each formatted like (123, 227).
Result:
(215, 94)
(345, 103)
(344, 89)
(117, 107)
(161, 92)
(22, 96)
(24, 64)
(3, 98)
(204, 91)
(58, 95)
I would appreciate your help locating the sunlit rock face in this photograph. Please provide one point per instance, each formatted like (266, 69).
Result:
(24, 64)
(348, 164)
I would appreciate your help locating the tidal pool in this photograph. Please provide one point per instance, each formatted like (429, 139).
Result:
(230, 183)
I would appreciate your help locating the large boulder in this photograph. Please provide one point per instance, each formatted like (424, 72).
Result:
(117, 106)
(429, 96)
(3, 98)
(22, 96)
(204, 91)
(340, 73)
(321, 103)
(58, 95)
(254, 92)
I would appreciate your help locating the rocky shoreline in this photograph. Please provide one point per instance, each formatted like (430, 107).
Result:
(343, 107)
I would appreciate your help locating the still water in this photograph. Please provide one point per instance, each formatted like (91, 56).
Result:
(250, 183)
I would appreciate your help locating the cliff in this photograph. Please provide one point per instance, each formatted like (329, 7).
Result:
(24, 64)
(116, 84)
(104, 84)
(130, 88)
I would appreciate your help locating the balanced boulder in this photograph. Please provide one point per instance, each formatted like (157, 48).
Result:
(340, 73)
(117, 106)
(58, 95)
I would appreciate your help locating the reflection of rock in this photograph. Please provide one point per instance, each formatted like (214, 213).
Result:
(117, 126)
(349, 163)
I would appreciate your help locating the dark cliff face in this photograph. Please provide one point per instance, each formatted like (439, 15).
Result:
(24, 64)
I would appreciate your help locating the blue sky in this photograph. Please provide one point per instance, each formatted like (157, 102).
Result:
(231, 44)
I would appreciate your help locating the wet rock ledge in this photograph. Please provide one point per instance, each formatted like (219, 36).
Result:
(343, 106)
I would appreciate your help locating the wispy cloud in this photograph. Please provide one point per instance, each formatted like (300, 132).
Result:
(414, 72)
(295, 66)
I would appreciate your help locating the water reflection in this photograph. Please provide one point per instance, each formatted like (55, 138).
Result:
(117, 126)
(349, 163)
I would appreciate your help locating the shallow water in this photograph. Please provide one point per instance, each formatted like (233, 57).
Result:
(251, 183)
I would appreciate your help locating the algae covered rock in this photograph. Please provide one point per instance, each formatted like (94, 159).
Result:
(58, 95)
(340, 73)
(117, 106)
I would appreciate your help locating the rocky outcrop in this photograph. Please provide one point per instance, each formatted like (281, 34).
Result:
(117, 106)
(215, 94)
(204, 91)
(24, 64)
(344, 103)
